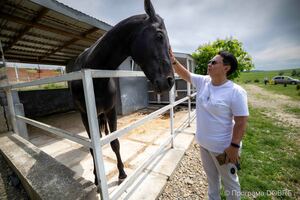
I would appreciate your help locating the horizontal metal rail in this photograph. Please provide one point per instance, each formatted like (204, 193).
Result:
(61, 78)
(176, 90)
(116, 73)
(57, 131)
(116, 134)
(76, 76)
(182, 125)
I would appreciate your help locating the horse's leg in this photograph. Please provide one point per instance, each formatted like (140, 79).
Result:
(86, 125)
(115, 144)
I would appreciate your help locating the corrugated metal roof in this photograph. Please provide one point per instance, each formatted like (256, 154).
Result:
(45, 31)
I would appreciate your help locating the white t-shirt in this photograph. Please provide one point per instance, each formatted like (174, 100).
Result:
(216, 106)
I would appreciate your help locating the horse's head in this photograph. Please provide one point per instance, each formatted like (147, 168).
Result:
(150, 49)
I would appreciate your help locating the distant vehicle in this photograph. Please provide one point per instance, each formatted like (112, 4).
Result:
(285, 80)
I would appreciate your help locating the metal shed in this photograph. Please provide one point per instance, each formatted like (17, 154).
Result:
(45, 31)
(49, 32)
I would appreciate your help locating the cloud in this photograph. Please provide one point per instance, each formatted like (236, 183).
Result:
(269, 30)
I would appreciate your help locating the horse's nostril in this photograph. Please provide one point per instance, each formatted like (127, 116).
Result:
(170, 81)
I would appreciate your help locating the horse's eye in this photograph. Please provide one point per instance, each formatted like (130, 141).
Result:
(160, 36)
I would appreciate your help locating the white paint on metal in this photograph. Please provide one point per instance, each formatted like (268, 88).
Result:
(57, 131)
(65, 77)
(116, 134)
(188, 85)
(116, 73)
(171, 100)
(94, 131)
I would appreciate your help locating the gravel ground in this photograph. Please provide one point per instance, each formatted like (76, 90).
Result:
(189, 179)
(10, 187)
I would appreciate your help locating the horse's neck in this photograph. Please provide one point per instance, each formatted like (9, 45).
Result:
(114, 47)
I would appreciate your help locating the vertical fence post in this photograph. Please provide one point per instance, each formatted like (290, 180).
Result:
(172, 100)
(94, 131)
(11, 109)
(189, 95)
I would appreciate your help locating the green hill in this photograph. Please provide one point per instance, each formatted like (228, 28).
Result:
(260, 75)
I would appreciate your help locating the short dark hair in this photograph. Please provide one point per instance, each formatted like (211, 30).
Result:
(229, 59)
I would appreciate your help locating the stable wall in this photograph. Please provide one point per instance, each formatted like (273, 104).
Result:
(133, 91)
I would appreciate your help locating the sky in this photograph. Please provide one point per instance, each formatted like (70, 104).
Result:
(268, 29)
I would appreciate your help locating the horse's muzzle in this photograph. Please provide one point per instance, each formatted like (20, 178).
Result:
(163, 84)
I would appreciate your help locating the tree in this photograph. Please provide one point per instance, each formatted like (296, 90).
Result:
(281, 73)
(294, 72)
(207, 51)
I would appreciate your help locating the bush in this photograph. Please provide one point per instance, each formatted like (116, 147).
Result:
(247, 81)
(298, 87)
(256, 81)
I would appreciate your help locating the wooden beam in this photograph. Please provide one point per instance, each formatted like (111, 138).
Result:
(40, 14)
(43, 27)
(36, 35)
(45, 43)
(15, 58)
(68, 43)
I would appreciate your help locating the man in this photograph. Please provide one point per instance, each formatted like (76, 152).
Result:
(222, 112)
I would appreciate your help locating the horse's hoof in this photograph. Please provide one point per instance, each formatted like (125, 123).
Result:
(121, 180)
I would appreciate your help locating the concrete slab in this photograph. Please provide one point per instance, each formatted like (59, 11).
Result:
(30, 164)
(191, 129)
(147, 137)
(129, 149)
(150, 187)
(183, 141)
(167, 162)
(143, 156)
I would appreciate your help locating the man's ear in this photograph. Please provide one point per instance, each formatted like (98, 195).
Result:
(227, 68)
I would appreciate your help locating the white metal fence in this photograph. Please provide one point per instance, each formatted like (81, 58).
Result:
(96, 142)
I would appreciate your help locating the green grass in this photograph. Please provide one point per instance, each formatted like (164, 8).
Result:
(50, 86)
(260, 75)
(270, 159)
(289, 90)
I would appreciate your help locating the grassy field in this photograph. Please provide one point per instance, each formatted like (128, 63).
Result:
(260, 75)
(271, 152)
(50, 86)
(289, 90)
(270, 159)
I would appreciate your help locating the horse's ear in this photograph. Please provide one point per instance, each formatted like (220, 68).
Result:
(150, 10)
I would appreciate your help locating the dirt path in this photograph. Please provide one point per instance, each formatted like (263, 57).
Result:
(274, 105)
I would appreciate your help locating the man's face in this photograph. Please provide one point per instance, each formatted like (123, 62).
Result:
(216, 67)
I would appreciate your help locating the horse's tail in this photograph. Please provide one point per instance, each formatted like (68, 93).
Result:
(103, 124)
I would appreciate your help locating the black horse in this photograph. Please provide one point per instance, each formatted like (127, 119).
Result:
(144, 38)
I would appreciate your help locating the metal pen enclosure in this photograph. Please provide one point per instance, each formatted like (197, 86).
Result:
(96, 142)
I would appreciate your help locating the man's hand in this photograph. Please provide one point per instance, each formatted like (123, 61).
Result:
(172, 57)
(232, 154)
